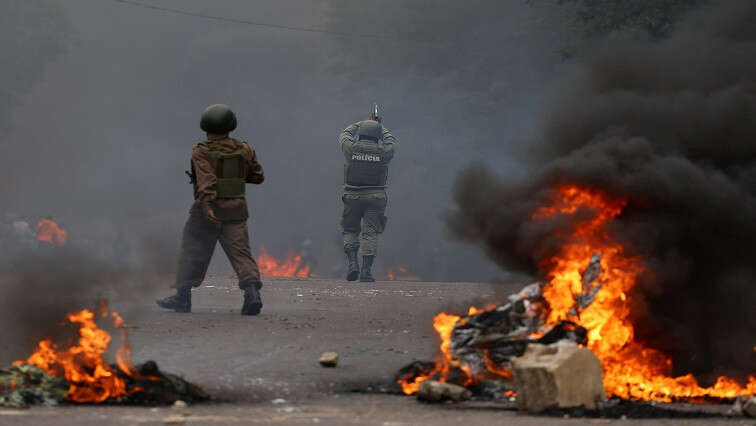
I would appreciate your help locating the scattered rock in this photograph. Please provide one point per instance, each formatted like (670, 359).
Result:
(329, 359)
(495, 389)
(737, 407)
(743, 406)
(558, 375)
(435, 391)
(174, 420)
(179, 404)
(749, 407)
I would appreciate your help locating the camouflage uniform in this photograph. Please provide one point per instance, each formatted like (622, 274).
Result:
(364, 198)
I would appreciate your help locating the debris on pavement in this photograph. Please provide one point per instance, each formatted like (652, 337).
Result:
(329, 359)
(558, 375)
(435, 391)
(25, 385)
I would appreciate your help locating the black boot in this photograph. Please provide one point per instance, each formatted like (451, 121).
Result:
(354, 266)
(365, 275)
(179, 302)
(252, 300)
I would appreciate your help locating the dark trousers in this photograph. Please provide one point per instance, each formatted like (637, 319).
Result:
(362, 220)
(198, 243)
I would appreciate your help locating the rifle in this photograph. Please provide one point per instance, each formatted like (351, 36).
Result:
(192, 177)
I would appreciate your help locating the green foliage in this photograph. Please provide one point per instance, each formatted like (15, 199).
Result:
(614, 18)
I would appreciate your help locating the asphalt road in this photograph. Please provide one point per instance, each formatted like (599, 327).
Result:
(264, 369)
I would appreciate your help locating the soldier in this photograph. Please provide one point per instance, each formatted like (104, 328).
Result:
(221, 165)
(368, 148)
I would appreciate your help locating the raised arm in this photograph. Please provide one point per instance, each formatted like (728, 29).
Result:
(348, 137)
(388, 143)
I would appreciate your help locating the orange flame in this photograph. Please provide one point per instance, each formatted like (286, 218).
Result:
(50, 233)
(401, 270)
(90, 379)
(631, 370)
(291, 267)
(444, 324)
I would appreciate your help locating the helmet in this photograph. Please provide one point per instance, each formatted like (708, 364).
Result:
(371, 128)
(218, 119)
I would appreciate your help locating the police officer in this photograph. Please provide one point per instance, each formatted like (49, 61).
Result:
(368, 148)
(221, 165)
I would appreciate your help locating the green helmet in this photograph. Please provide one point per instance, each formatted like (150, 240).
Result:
(371, 129)
(218, 119)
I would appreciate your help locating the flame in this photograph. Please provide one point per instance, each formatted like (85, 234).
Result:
(444, 325)
(50, 233)
(90, 379)
(401, 270)
(291, 267)
(631, 370)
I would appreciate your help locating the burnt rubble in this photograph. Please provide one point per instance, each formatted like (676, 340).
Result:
(497, 335)
(493, 337)
(26, 385)
(483, 343)
(160, 388)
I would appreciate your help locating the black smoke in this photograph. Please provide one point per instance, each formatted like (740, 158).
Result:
(100, 104)
(40, 285)
(671, 127)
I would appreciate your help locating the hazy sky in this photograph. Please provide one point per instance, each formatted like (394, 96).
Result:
(101, 139)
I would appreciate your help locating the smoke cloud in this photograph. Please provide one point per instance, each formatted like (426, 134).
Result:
(101, 138)
(100, 106)
(670, 127)
(39, 286)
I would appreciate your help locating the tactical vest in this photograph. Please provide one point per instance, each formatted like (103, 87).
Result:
(230, 169)
(366, 165)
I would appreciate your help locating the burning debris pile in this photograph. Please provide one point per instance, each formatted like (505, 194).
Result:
(645, 158)
(477, 348)
(586, 298)
(79, 374)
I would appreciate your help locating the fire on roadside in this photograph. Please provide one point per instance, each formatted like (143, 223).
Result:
(631, 369)
(392, 273)
(90, 378)
(49, 232)
(292, 266)
(444, 324)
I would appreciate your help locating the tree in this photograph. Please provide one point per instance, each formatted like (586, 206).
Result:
(657, 18)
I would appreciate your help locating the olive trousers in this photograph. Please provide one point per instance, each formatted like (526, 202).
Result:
(362, 220)
(198, 243)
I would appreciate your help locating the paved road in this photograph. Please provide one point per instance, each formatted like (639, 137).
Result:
(249, 362)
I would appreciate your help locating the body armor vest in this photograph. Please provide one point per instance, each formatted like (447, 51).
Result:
(230, 170)
(366, 166)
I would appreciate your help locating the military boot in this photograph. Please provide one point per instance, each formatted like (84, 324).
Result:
(252, 300)
(179, 302)
(354, 266)
(365, 275)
